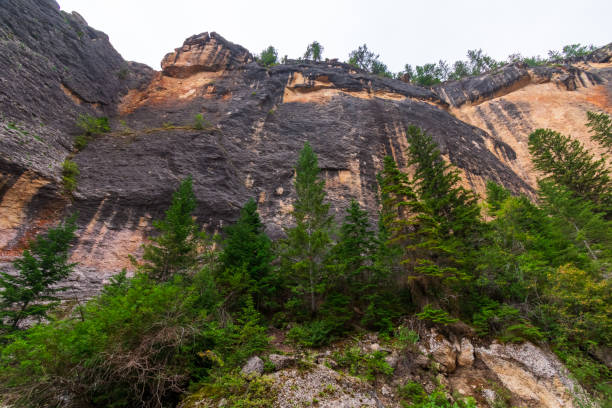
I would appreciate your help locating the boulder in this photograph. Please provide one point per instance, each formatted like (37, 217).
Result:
(253, 367)
(280, 361)
(466, 353)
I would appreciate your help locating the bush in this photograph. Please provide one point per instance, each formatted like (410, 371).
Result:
(70, 172)
(312, 334)
(363, 365)
(413, 395)
(92, 126)
(268, 57)
(140, 343)
(437, 316)
(198, 122)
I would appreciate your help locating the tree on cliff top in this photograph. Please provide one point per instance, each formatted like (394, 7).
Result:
(30, 293)
(268, 57)
(314, 51)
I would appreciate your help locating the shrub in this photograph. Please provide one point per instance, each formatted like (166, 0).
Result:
(363, 365)
(198, 122)
(92, 126)
(70, 172)
(437, 316)
(268, 57)
(312, 334)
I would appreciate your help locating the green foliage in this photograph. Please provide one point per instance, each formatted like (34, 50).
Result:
(567, 163)
(91, 125)
(198, 121)
(268, 57)
(315, 333)
(314, 51)
(364, 365)
(176, 247)
(304, 250)
(412, 395)
(70, 172)
(139, 343)
(246, 256)
(365, 59)
(237, 391)
(496, 195)
(570, 51)
(31, 292)
(406, 337)
(600, 125)
(436, 316)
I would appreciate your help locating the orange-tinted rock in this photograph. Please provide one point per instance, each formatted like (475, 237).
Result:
(204, 52)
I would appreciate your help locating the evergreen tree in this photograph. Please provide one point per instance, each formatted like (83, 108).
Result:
(306, 245)
(175, 249)
(398, 202)
(314, 51)
(600, 125)
(577, 220)
(247, 248)
(352, 256)
(437, 186)
(450, 217)
(30, 293)
(268, 57)
(569, 164)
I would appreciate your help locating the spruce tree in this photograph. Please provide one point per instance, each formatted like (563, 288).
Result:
(577, 220)
(306, 246)
(600, 125)
(450, 219)
(567, 163)
(31, 292)
(437, 186)
(247, 248)
(352, 256)
(175, 249)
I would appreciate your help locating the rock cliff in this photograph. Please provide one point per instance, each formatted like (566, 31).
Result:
(256, 119)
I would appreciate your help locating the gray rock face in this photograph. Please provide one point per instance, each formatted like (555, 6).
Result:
(254, 366)
(257, 120)
(53, 67)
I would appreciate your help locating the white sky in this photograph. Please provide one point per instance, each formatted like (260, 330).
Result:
(414, 32)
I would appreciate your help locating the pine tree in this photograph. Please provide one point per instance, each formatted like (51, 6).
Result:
(352, 256)
(450, 219)
(31, 292)
(577, 220)
(600, 125)
(175, 249)
(398, 204)
(567, 163)
(437, 186)
(314, 51)
(306, 245)
(247, 248)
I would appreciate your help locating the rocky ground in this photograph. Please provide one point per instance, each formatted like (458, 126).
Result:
(494, 374)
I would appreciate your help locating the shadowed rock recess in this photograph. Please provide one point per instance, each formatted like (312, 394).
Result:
(55, 67)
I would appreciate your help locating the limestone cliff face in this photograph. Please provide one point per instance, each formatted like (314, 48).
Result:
(512, 103)
(257, 119)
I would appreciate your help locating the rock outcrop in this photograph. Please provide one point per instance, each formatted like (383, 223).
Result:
(256, 120)
(204, 52)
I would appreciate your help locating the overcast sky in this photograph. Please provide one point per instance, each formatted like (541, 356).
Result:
(400, 31)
